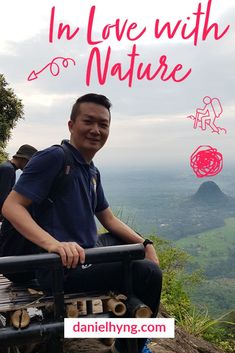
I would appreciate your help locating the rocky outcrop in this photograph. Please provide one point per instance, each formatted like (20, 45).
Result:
(182, 343)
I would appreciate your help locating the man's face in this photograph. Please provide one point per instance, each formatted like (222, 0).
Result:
(90, 130)
(23, 163)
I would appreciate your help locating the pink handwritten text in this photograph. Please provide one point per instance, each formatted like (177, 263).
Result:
(197, 27)
(171, 31)
(161, 69)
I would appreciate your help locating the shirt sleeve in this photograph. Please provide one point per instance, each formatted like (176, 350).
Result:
(102, 203)
(39, 174)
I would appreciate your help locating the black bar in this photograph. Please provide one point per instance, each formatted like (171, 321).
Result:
(58, 293)
(105, 254)
(127, 277)
(21, 263)
(11, 336)
(117, 253)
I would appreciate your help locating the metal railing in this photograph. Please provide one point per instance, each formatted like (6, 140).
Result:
(12, 264)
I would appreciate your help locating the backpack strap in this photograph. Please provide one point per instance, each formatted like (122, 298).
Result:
(62, 179)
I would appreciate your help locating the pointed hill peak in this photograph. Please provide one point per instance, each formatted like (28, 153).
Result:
(210, 193)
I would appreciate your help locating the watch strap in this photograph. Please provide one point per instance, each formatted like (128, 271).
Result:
(147, 241)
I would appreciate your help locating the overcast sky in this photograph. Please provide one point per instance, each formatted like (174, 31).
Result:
(149, 119)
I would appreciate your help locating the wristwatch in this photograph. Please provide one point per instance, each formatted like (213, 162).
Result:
(146, 242)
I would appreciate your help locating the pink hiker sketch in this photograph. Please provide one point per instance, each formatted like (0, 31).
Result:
(207, 115)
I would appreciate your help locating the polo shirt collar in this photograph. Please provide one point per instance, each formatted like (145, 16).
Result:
(76, 154)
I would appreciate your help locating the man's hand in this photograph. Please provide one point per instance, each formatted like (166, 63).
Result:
(150, 254)
(70, 252)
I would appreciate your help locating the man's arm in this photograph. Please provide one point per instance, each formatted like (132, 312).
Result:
(15, 210)
(124, 232)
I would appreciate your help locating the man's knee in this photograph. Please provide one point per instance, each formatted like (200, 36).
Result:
(155, 273)
(147, 272)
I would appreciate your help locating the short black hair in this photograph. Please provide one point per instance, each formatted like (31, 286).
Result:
(90, 98)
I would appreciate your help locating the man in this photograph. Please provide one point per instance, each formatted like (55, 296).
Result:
(67, 225)
(8, 170)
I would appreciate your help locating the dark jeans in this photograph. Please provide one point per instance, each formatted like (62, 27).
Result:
(147, 280)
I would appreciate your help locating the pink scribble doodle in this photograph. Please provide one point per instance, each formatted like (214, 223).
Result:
(53, 66)
(206, 161)
(206, 116)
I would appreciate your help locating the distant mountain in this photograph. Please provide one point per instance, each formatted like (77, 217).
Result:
(206, 209)
(209, 193)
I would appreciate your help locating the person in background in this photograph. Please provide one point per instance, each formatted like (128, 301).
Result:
(8, 170)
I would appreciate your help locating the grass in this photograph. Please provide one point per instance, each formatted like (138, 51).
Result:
(198, 320)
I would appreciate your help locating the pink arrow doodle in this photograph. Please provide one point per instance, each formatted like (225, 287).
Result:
(53, 66)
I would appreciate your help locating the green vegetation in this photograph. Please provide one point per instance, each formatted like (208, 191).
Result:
(214, 251)
(216, 245)
(175, 279)
(216, 294)
(11, 110)
(176, 298)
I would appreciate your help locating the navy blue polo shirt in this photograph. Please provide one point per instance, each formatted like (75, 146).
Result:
(70, 217)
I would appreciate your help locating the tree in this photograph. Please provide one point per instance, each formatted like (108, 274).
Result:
(11, 110)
